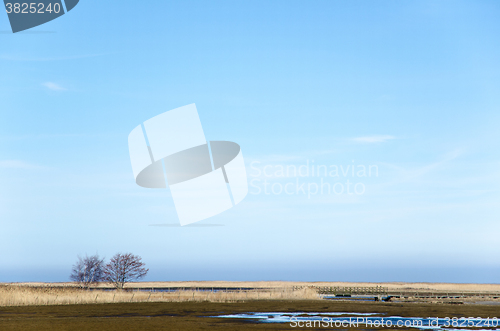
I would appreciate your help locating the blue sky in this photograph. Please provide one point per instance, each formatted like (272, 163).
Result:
(409, 86)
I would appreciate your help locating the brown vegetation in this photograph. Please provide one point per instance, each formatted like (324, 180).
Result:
(28, 294)
(22, 295)
(195, 315)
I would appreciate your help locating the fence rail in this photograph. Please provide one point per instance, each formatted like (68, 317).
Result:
(342, 291)
(403, 293)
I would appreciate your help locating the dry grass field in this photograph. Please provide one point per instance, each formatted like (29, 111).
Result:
(65, 306)
(30, 295)
(37, 294)
(281, 284)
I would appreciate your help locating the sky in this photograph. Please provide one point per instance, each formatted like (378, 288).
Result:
(408, 89)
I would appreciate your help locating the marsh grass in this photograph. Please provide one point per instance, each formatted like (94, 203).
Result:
(168, 316)
(21, 295)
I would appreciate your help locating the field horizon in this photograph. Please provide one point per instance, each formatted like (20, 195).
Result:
(437, 286)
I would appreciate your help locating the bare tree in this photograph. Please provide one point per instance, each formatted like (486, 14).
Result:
(123, 268)
(87, 270)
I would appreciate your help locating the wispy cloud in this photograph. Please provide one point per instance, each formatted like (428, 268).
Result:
(171, 225)
(53, 86)
(57, 136)
(300, 156)
(373, 139)
(11, 57)
(17, 164)
(446, 158)
(406, 175)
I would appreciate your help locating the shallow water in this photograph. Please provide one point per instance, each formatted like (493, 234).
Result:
(346, 319)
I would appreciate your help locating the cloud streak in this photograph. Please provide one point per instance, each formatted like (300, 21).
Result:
(8, 57)
(17, 164)
(53, 86)
(373, 139)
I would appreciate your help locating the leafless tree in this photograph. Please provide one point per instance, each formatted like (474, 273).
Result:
(123, 268)
(87, 270)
